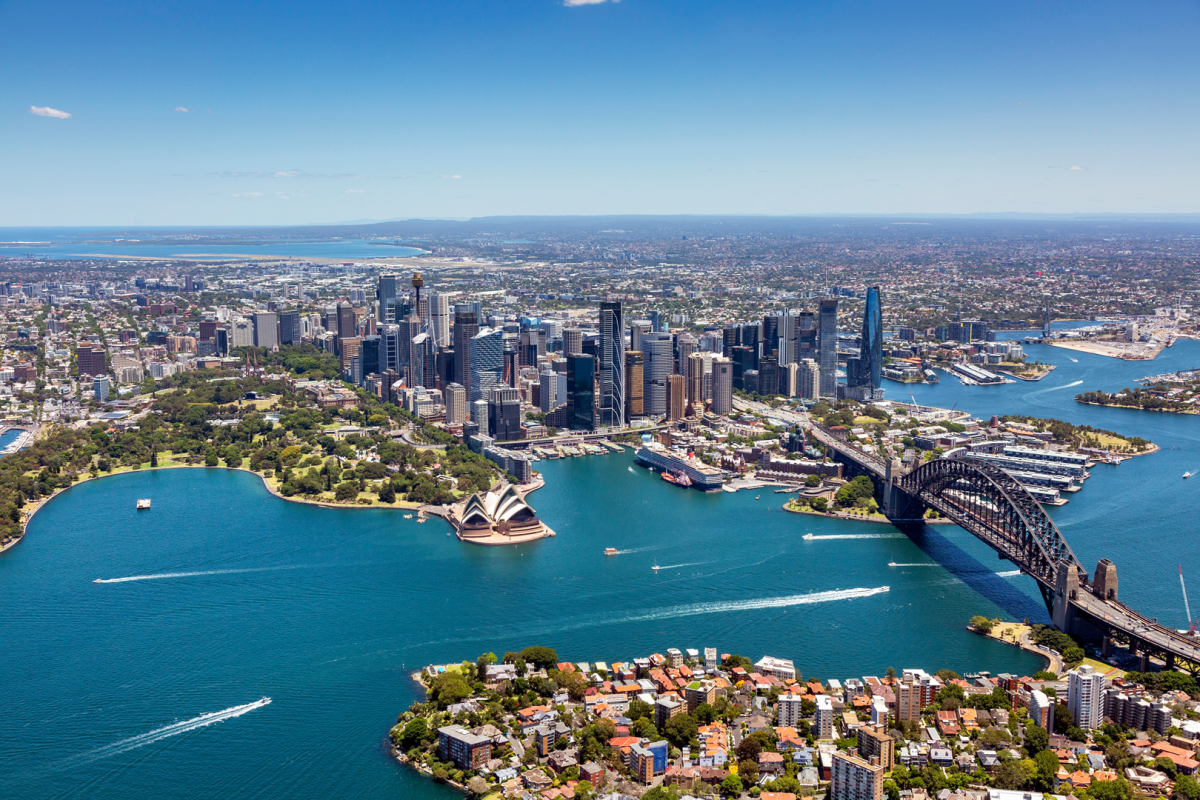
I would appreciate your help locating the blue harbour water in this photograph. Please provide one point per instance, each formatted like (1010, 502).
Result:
(68, 243)
(327, 611)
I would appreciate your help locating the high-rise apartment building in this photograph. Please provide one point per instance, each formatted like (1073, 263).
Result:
(790, 710)
(572, 341)
(827, 341)
(91, 361)
(612, 365)
(915, 690)
(808, 380)
(1084, 700)
(854, 778)
(634, 384)
(823, 719)
(456, 404)
(874, 743)
(1041, 710)
(722, 386)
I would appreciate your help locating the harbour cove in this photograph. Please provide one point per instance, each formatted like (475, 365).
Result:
(222, 595)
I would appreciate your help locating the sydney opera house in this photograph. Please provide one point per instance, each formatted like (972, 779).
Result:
(498, 518)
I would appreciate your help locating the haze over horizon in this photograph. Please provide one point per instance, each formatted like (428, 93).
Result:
(290, 114)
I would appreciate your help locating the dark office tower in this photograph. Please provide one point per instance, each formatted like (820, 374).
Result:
(743, 362)
(676, 397)
(768, 375)
(391, 347)
(827, 341)
(731, 337)
(208, 330)
(656, 322)
(770, 336)
(750, 339)
(91, 361)
(385, 293)
(806, 336)
(634, 386)
(221, 336)
(612, 365)
(409, 329)
(581, 392)
(445, 367)
(504, 414)
(289, 327)
(685, 345)
(347, 322)
(466, 325)
(372, 355)
(572, 341)
(868, 372)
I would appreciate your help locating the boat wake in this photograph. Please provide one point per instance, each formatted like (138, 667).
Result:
(677, 566)
(894, 564)
(202, 721)
(164, 575)
(698, 609)
(637, 550)
(808, 537)
(1008, 573)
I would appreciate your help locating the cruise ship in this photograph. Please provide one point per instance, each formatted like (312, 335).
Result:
(661, 459)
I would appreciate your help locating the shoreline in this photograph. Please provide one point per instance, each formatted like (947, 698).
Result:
(858, 517)
(1138, 408)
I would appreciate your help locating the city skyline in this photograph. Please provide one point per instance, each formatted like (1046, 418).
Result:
(600, 108)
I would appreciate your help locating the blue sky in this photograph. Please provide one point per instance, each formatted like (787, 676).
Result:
(306, 112)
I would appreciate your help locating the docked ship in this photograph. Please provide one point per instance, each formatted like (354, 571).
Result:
(680, 465)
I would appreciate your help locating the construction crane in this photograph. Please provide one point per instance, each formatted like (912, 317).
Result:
(1186, 607)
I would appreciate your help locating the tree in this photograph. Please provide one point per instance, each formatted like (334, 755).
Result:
(819, 504)
(748, 749)
(415, 732)
(1119, 789)
(1009, 775)
(346, 490)
(731, 786)
(947, 675)
(680, 729)
(539, 656)
(1186, 788)
(705, 713)
(982, 624)
(447, 689)
(387, 492)
(1047, 768)
(210, 460)
(1036, 739)
(640, 709)
(1073, 655)
(154, 458)
(812, 481)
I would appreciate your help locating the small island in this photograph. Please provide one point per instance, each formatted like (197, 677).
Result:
(1174, 393)
(703, 724)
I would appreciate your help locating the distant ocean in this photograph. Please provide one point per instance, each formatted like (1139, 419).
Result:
(118, 242)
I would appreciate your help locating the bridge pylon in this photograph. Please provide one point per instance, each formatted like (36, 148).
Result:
(899, 506)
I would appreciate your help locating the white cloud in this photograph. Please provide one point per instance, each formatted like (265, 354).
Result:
(572, 3)
(356, 191)
(47, 111)
(452, 177)
(1076, 169)
(247, 194)
(181, 108)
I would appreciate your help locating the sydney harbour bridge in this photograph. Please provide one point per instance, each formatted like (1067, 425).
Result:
(989, 503)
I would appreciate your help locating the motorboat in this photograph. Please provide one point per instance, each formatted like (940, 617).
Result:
(1187, 475)
(143, 504)
(610, 551)
(408, 516)
(808, 536)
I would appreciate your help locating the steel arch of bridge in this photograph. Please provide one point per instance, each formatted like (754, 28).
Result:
(989, 503)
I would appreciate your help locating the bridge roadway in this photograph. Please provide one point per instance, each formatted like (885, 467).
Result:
(1019, 530)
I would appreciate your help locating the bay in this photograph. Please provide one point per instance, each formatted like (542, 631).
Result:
(240, 595)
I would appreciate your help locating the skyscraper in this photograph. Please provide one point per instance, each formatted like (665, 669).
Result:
(504, 414)
(439, 319)
(1083, 697)
(637, 329)
(456, 404)
(266, 329)
(486, 350)
(466, 325)
(827, 339)
(289, 327)
(855, 779)
(695, 377)
(685, 345)
(865, 373)
(806, 337)
(385, 295)
(581, 392)
(612, 365)
(676, 397)
(722, 386)
(658, 364)
(634, 384)
(770, 335)
(572, 341)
